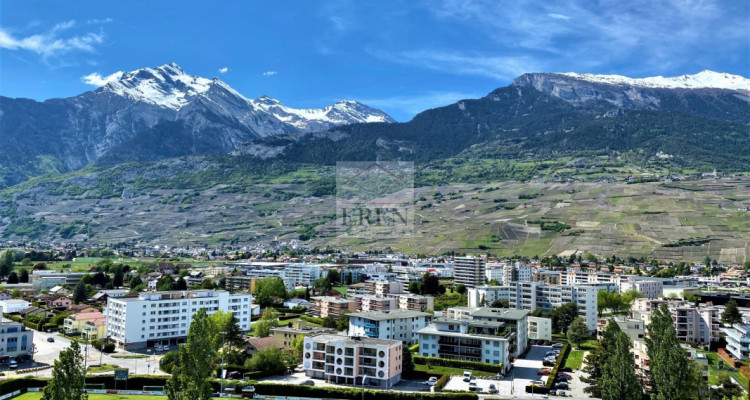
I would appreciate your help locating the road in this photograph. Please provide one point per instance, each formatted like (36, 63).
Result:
(48, 352)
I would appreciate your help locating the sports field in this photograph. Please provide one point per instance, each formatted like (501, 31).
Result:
(38, 396)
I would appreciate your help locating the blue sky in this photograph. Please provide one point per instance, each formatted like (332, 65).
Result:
(401, 56)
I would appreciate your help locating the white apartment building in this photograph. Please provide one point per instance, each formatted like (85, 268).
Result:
(533, 295)
(164, 317)
(13, 306)
(369, 302)
(650, 289)
(298, 274)
(539, 328)
(738, 341)
(494, 271)
(353, 360)
(469, 271)
(413, 302)
(484, 296)
(393, 325)
(516, 272)
(693, 324)
(15, 340)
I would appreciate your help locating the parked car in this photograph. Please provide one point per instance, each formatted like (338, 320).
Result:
(50, 339)
(13, 364)
(565, 375)
(562, 385)
(158, 348)
(432, 381)
(467, 376)
(492, 389)
(548, 363)
(557, 346)
(543, 371)
(308, 383)
(566, 369)
(299, 368)
(561, 393)
(562, 378)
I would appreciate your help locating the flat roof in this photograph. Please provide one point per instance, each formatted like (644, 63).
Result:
(386, 315)
(506, 313)
(327, 337)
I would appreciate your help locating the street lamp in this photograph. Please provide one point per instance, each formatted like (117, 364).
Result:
(364, 377)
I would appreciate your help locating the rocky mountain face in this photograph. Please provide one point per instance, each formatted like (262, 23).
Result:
(150, 114)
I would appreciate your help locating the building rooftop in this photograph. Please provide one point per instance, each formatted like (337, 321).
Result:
(387, 315)
(505, 313)
(329, 337)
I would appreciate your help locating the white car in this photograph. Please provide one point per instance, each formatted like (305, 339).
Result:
(158, 348)
(13, 364)
(467, 376)
(432, 381)
(299, 368)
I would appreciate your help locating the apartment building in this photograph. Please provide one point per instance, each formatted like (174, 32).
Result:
(242, 283)
(287, 334)
(74, 323)
(413, 302)
(650, 289)
(369, 302)
(484, 296)
(47, 279)
(539, 328)
(634, 328)
(494, 272)
(384, 288)
(164, 317)
(693, 324)
(513, 272)
(396, 325)
(324, 306)
(298, 274)
(353, 360)
(533, 295)
(15, 340)
(738, 341)
(488, 335)
(469, 271)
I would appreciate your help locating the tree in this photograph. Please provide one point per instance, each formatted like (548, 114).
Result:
(80, 293)
(269, 291)
(135, 281)
(596, 359)
(226, 322)
(430, 284)
(269, 360)
(414, 287)
(165, 284)
(190, 378)
(206, 284)
(24, 276)
(329, 322)
(407, 364)
(269, 320)
(13, 277)
(500, 304)
(461, 289)
(563, 316)
(68, 376)
(619, 381)
(16, 294)
(577, 331)
(180, 284)
(343, 323)
(333, 276)
(6, 263)
(731, 314)
(667, 359)
(117, 281)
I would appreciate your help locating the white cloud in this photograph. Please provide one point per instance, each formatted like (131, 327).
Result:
(51, 43)
(97, 80)
(270, 73)
(223, 70)
(559, 16)
(417, 103)
(99, 21)
(496, 67)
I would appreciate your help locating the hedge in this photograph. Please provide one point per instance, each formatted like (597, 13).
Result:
(414, 348)
(11, 385)
(442, 381)
(471, 365)
(553, 374)
(271, 389)
(314, 320)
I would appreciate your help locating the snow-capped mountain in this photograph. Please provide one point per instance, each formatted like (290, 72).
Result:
(154, 113)
(713, 94)
(702, 80)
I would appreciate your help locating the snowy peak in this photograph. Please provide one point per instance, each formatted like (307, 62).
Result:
(166, 86)
(311, 119)
(702, 80)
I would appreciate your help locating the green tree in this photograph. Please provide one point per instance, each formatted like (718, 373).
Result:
(461, 289)
(430, 284)
(117, 281)
(190, 378)
(16, 294)
(13, 278)
(24, 276)
(165, 284)
(596, 359)
(343, 323)
(731, 314)
(619, 381)
(226, 322)
(333, 276)
(269, 320)
(6, 263)
(330, 322)
(414, 287)
(135, 281)
(563, 316)
(667, 359)
(407, 364)
(68, 376)
(577, 331)
(80, 293)
(269, 291)
(269, 360)
(500, 304)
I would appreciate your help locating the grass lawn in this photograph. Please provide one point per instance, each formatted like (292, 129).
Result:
(103, 368)
(713, 373)
(340, 289)
(129, 356)
(448, 371)
(575, 359)
(38, 396)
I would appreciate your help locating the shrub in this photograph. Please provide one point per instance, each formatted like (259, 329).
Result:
(442, 381)
(414, 348)
(472, 365)
(270, 389)
(11, 385)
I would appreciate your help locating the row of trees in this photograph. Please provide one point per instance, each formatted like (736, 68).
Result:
(616, 302)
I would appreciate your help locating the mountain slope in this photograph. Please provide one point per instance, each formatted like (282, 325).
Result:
(147, 106)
